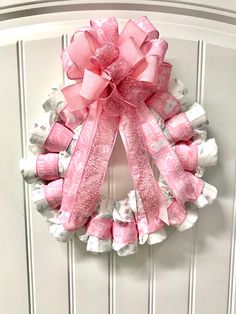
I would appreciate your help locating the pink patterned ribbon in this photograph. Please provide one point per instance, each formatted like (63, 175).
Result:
(188, 156)
(165, 104)
(150, 193)
(176, 213)
(72, 117)
(100, 227)
(179, 128)
(58, 139)
(115, 76)
(124, 232)
(53, 193)
(165, 157)
(47, 166)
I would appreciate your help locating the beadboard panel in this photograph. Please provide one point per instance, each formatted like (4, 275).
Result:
(172, 258)
(13, 256)
(190, 273)
(90, 275)
(42, 70)
(130, 296)
(214, 246)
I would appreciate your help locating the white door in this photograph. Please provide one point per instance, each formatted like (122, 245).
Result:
(191, 272)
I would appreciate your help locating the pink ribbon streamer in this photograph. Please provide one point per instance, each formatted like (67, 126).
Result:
(165, 157)
(115, 76)
(88, 165)
(150, 194)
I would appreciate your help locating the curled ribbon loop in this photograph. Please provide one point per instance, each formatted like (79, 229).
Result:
(115, 77)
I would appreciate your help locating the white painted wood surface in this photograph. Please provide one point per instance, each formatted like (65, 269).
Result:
(190, 273)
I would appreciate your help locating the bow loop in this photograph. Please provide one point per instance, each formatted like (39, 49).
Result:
(130, 50)
(144, 23)
(106, 30)
(74, 98)
(155, 47)
(98, 82)
(80, 52)
(147, 71)
(131, 29)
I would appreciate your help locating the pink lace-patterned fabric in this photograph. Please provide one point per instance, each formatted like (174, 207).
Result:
(150, 194)
(92, 169)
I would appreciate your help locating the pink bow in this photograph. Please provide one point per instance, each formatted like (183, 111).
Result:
(115, 76)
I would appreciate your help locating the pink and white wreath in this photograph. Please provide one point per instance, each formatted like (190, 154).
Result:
(121, 85)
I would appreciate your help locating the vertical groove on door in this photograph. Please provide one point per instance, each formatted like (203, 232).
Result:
(111, 256)
(201, 71)
(152, 269)
(199, 99)
(71, 243)
(71, 277)
(192, 273)
(232, 272)
(151, 279)
(26, 188)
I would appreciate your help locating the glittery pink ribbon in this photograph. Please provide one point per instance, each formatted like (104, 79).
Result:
(115, 75)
